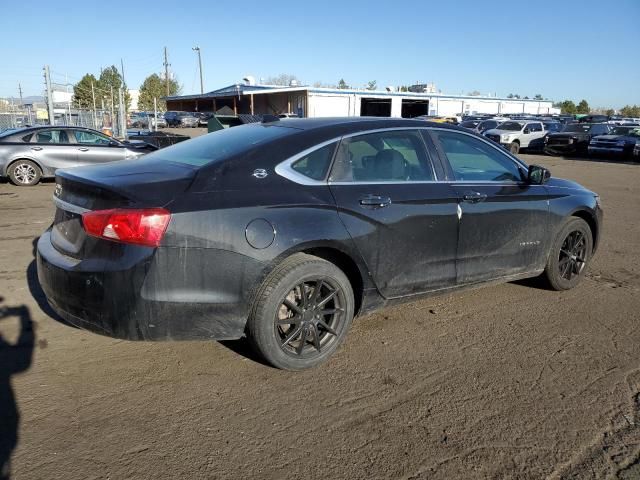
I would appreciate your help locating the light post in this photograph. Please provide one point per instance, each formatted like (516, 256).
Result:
(197, 49)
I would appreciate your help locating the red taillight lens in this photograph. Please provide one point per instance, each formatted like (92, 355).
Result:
(141, 227)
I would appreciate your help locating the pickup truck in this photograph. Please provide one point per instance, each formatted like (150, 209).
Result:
(517, 134)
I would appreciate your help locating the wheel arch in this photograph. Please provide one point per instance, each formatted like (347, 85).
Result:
(347, 261)
(588, 217)
(23, 157)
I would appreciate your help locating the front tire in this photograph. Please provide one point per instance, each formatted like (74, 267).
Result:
(302, 313)
(570, 255)
(24, 173)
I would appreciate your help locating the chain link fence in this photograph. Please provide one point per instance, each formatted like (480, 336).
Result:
(98, 120)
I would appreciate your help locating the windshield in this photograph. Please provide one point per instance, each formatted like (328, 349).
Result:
(510, 126)
(621, 131)
(577, 127)
(9, 131)
(220, 145)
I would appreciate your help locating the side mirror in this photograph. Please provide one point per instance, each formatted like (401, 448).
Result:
(537, 175)
(526, 130)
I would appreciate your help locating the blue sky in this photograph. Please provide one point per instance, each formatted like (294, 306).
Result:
(560, 49)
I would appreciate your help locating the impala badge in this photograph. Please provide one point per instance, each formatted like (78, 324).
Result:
(260, 173)
(58, 191)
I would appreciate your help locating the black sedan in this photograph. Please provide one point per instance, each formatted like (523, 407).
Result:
(573, 138)
(283, 231)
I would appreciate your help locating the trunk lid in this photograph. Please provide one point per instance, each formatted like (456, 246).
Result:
(138, 184)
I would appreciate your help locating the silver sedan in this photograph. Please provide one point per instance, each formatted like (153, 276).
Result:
(29, 154)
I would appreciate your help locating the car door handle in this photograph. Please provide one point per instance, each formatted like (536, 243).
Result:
(375, 201)
(37, 149)
(474, 197)
(83, 149)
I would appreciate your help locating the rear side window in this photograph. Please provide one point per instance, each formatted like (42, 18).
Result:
(316, 164)
(220, 145)
(389, 156)
(472, 159)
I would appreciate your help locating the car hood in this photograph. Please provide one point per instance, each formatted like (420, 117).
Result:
(626, 138)
(497, 131)
(564, 183)
(569, 135)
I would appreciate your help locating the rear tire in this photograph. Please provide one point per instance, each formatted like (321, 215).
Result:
(24, 173)
(570, 255)
(302, 313)
(514, 147)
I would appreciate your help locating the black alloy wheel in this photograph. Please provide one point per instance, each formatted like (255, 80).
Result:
(301, 313)
(570, 255)
(573, 255)
(309, 317)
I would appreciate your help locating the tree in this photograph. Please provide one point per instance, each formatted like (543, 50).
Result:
(372, 85)
(475, 93)
(583, 107)
(630, 111)
(537, 97)
(342, 85)
(526, 98)
(110, 77)
(510, 95)
(609, 111)
(568, 107)
(82, 96)
(283, 80)
(155, 87)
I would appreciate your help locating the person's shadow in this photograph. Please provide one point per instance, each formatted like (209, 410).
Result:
(14, 358)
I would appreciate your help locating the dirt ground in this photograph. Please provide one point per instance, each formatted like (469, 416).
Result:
(511, 381)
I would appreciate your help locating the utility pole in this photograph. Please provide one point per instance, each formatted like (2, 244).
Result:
(47, 81)
(93, 95)
(112, 114)
(20, 90)
(166, 71)
(197, 49)
(123, 118)
(122, 71)
(155, 112)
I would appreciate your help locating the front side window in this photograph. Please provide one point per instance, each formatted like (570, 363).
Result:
(389, 156)
(316, 164)
(51, 136)
(90, 138)
(472, 159)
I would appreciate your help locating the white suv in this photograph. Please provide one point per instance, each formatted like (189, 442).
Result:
(517, 134)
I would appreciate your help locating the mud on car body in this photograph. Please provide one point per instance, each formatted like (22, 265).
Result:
(284, 231)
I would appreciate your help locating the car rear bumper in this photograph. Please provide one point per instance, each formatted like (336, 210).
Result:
(146, 297)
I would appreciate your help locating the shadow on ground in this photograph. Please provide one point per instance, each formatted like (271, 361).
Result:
(14, 358)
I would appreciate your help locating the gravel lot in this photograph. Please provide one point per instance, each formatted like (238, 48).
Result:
(510, 381)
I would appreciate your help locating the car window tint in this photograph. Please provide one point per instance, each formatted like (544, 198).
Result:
(316, 164)
(220, 145)
(52, 136)
(90, 138)
(391, 156)
(472, 159)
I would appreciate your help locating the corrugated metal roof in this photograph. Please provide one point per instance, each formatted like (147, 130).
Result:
(229, 91)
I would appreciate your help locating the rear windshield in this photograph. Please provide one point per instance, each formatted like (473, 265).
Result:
(9, 131)
(220, 145)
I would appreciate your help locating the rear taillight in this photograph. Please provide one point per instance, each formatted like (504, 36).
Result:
(140, 227)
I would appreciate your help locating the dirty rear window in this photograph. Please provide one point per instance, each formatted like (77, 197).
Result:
(220, 145)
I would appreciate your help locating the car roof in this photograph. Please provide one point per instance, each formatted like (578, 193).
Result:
(355, 123)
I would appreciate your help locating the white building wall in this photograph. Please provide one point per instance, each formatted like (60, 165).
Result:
(348, 104)
(323, 105)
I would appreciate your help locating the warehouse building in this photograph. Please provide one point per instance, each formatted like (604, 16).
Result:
(305, 101)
